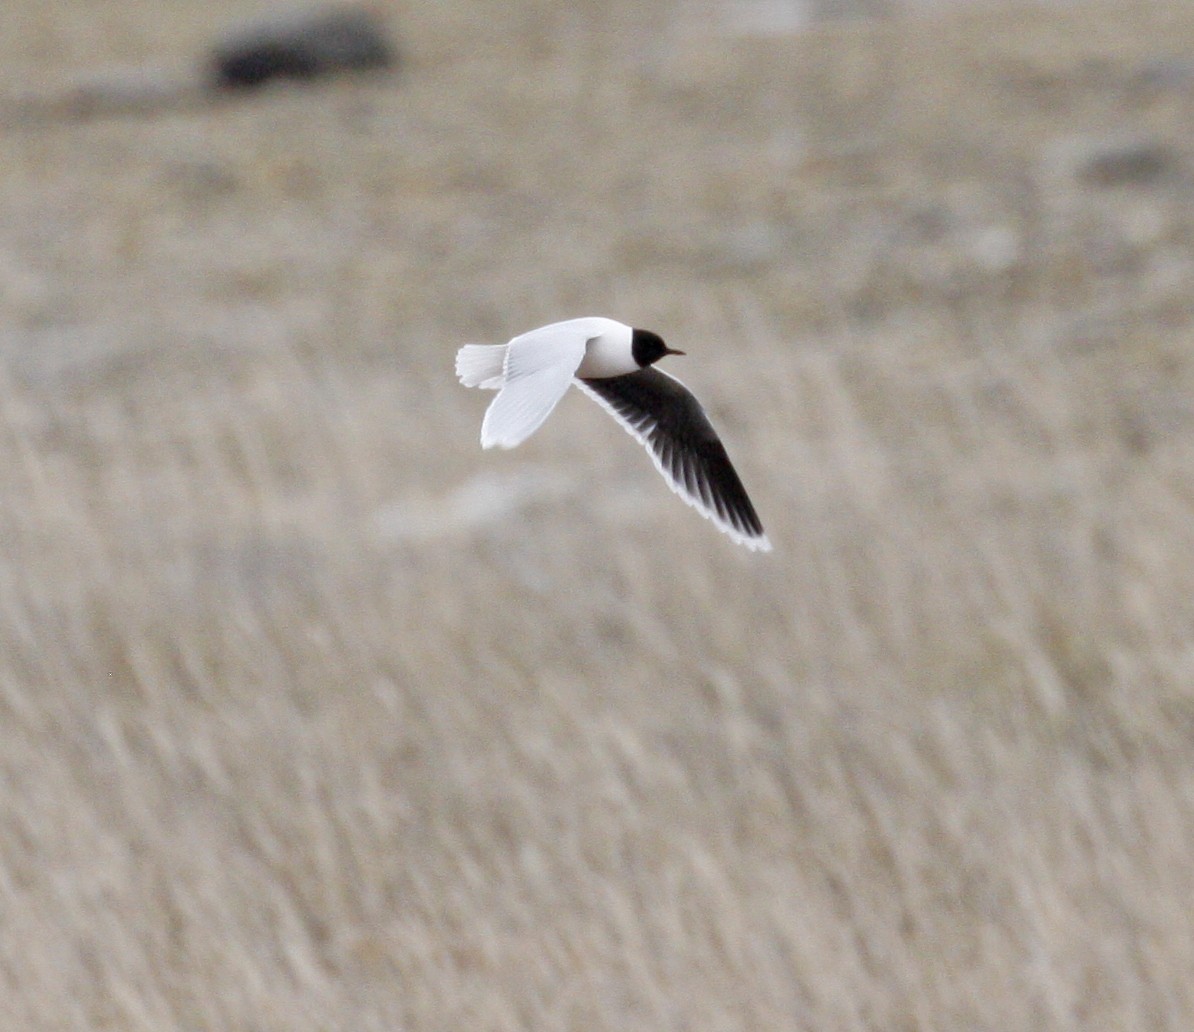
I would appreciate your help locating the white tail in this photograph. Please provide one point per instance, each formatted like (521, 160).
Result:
(482, 365)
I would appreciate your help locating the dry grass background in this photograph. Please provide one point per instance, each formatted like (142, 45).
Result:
(314, 716)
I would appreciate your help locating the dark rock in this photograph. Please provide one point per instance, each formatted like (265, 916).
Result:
(1129, 162)
(301, 47)
(1164, 75)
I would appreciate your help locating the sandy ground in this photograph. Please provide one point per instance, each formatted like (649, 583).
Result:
(314, 716)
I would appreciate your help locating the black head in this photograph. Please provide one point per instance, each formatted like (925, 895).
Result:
(648, 348)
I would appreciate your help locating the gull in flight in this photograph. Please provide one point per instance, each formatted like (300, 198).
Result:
(615, 365)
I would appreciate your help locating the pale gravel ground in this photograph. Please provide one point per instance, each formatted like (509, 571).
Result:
(315, 716)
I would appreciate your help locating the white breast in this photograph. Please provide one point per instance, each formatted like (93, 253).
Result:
(609, 351)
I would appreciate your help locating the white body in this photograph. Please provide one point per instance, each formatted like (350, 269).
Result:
(534, 370)
(607, 351)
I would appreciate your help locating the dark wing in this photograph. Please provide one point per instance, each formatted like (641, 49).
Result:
(669, 422)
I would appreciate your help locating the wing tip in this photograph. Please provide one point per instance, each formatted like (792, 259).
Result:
(752, 538)
(498, 442)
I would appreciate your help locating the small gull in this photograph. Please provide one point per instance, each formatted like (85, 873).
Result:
(615, 365)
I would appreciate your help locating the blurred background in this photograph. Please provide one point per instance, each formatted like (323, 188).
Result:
(313, 715)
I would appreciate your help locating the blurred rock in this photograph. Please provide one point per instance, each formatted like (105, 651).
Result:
(1166, 74)
(301, 46)
(1132, 161)
(124, 90)
(109, 92)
